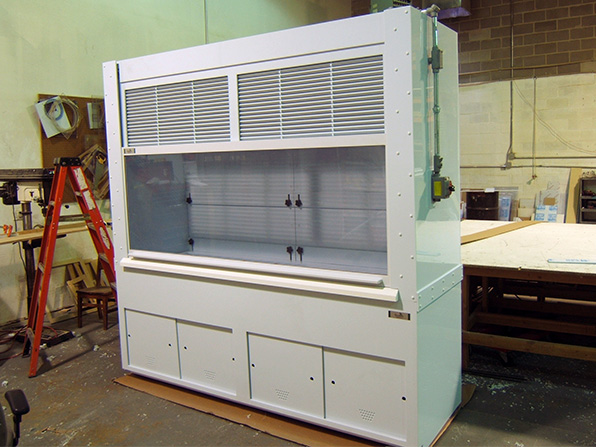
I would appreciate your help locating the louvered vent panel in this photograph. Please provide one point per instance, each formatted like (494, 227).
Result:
(358, 96)
(334, 98)
(184, 112)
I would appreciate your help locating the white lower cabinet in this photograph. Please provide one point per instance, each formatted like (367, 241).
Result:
(152, 343)
(286, 374)
(365, 392)
(347, 388)
(206, 356)
(350, 389)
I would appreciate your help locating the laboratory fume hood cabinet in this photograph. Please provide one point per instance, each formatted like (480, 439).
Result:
(279, 240)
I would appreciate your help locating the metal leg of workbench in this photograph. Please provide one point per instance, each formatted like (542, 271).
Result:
(465, 318)
(28, 248)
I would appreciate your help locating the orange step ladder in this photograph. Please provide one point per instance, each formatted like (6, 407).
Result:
(64, 168)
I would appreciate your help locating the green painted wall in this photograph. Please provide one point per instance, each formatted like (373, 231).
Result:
(58, 47)
(238, 18)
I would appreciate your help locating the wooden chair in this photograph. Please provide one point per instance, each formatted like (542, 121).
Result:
(97, 297)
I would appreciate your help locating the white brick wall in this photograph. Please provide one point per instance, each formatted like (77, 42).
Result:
(565, 104)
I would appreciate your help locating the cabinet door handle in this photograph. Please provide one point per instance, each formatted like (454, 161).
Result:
(298, 202)
(290, 250)
(300, 251)
(288, 202)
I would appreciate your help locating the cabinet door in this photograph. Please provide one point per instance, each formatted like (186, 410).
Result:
(366, 392)
(152, 343)
(206, 356)
(241, 205)
(286, 374)
(156, 193)
(341, 223)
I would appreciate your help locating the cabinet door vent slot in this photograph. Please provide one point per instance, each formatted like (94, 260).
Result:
(282, 394)
(211, 375)
(150, 361)
(367, 415)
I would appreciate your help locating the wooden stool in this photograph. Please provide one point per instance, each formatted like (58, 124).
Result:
(97, 297)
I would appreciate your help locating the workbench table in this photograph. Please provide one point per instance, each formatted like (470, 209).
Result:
(37, 233)
(539, 278)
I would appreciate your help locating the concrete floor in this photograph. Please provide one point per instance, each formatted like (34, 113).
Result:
(536, 401)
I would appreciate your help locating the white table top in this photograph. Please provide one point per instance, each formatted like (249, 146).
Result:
(531, 247)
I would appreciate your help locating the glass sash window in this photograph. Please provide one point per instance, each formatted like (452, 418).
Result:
(321, 208)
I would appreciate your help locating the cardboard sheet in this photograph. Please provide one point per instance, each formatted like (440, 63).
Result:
(290, 429)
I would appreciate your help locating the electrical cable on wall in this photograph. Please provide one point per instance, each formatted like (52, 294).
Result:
(549, 128)
(538, 119)
(510, 154)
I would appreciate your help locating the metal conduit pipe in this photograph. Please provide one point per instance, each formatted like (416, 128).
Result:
(524, 166)
(545, 157)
